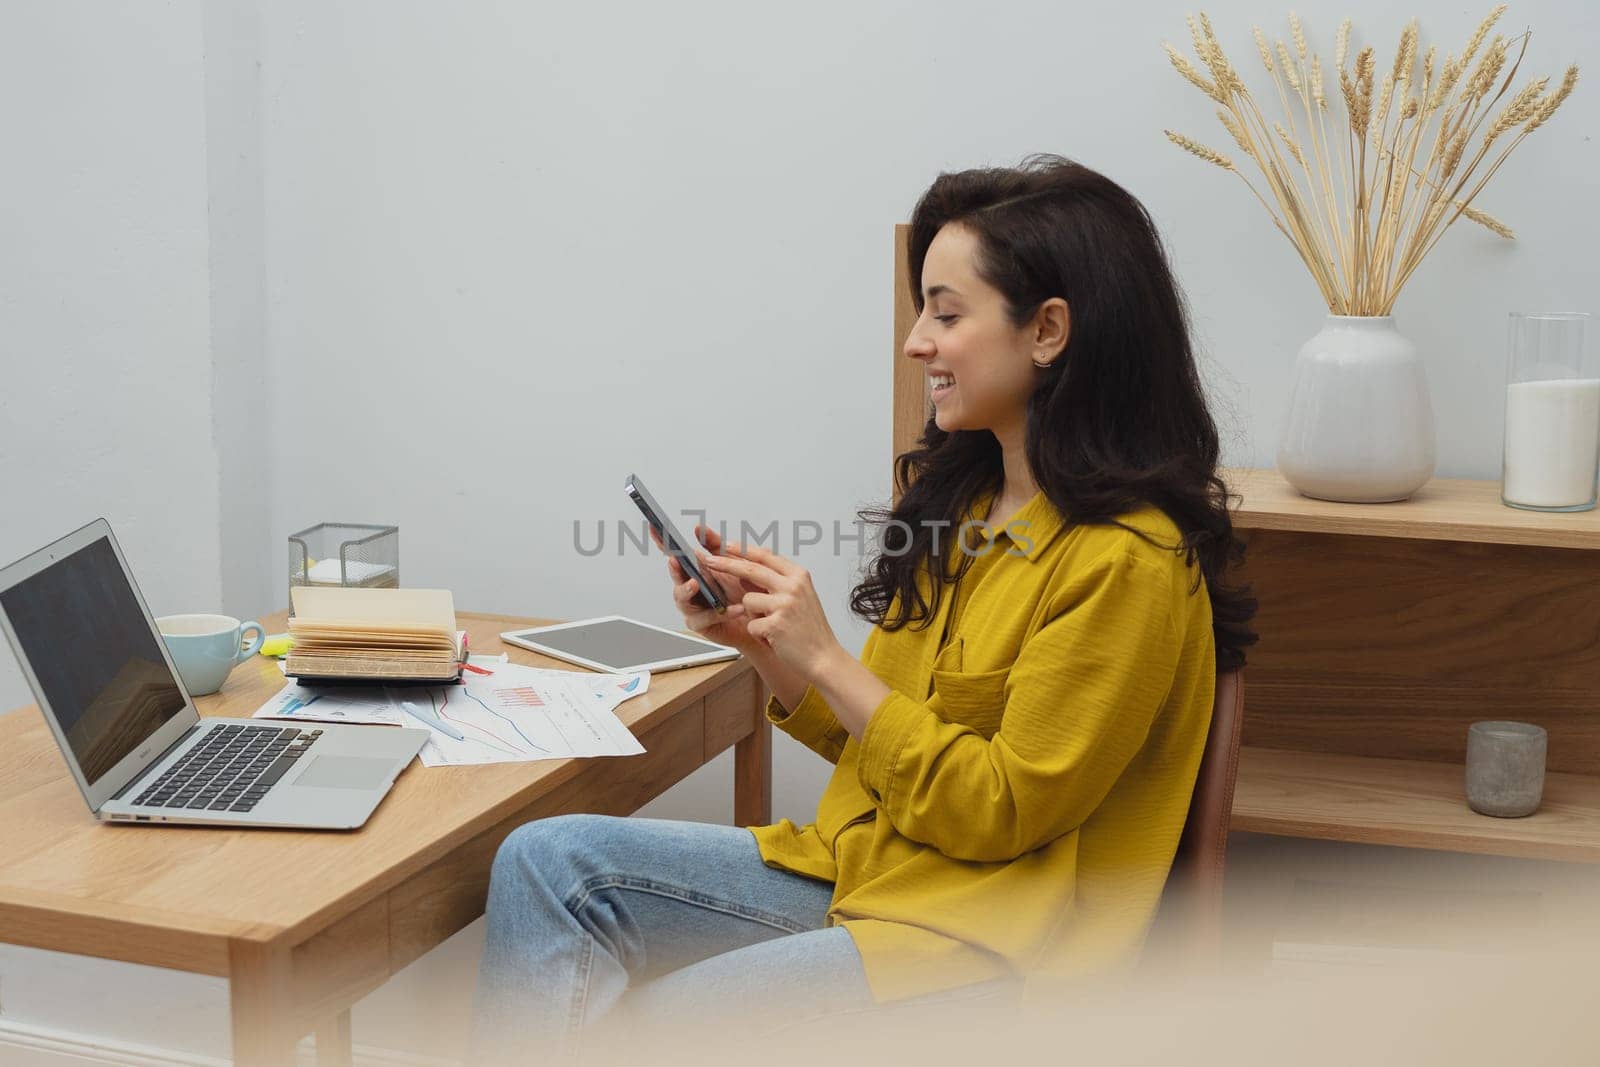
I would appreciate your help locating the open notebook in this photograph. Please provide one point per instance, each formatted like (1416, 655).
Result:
(374, 635)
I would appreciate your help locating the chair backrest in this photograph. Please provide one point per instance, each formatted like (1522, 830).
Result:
(1191, 909)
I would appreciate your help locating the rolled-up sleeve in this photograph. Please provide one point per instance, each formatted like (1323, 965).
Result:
(812, 723)
(1079, 702)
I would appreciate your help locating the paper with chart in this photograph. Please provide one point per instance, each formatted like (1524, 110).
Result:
(526, 713)
(354, 704)
(511, 714)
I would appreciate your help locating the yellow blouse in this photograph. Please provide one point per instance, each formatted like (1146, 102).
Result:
(1015, 802)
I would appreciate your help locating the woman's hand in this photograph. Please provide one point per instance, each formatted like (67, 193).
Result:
(781, 607)
(729, 628)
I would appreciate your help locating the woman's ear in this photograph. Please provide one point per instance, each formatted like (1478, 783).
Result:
(1052, 328)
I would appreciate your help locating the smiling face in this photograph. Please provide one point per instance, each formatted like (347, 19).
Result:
(980, 365)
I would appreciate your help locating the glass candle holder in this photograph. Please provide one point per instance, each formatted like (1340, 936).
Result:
(1552, 443)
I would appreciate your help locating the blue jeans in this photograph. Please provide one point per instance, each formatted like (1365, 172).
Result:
(584, 907)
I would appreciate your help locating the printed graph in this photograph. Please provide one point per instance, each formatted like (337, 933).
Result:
(521, 697)
(515, 713)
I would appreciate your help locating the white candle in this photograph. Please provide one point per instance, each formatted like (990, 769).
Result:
(1552, 439)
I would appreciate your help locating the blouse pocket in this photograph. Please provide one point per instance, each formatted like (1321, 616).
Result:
(976, 699)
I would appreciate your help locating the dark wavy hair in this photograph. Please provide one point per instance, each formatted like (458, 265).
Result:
(1118, 421)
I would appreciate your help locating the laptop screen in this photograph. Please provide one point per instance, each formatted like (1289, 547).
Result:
(87, 640)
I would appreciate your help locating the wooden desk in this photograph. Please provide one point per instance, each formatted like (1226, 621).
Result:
(304, 924)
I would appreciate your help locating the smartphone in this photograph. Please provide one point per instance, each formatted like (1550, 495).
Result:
(710, 594)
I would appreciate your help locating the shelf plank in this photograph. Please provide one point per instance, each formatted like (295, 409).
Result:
(1446, 509)
(1412, 803)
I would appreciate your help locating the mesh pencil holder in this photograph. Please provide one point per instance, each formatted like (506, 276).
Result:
(345, 553)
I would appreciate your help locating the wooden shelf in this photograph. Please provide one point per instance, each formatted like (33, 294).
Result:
(1412, 803)
(1445, 509)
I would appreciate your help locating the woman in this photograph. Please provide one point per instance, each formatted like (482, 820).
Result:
(1016, 748)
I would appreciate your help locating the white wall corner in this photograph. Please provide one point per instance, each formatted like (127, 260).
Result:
(236, 231)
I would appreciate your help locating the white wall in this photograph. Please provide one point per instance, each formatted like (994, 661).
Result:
(105, 406)
(463, 267)
(235, 165)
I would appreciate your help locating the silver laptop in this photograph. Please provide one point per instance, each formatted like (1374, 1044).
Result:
(130, 734)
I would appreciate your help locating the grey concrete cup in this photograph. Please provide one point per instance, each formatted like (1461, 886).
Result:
(1505, 768)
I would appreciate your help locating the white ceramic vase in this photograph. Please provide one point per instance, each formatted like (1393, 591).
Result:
(1359, 426)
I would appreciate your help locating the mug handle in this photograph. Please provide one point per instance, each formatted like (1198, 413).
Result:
(255, 642)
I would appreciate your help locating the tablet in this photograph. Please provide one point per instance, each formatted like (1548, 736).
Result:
(619, 645)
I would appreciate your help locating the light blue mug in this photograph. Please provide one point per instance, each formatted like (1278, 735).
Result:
(207, 647)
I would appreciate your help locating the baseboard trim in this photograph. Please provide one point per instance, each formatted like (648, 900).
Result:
(72, 1045)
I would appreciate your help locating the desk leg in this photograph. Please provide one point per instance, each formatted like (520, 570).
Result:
(261, 999)
(752, 769)
(334, 1047)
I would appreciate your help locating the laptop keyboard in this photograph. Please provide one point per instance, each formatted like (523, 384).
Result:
(231, 769)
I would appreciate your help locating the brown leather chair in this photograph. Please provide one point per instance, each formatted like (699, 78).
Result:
(1188, 928)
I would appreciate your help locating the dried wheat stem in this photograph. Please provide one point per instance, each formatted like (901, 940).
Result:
(1480, 33)
(1406, 55)
(1381, 116)
(1290, 144)
(1456, 197)
(1416, 208)
(1520, 110)
(1463, 203)
(1286, 190)
(1487, 221)
(1393, 213)
(1488, 69)
(1235, 131)
(1470, 111)
(1261, 47)
(1289, 71)
(1482, 105)
(1194, 77)
(1195, 148)
(1318, 134)
(1211, 155)
(1546, 108)
(1482, 218)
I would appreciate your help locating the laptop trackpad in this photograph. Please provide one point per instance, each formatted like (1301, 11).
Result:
(346, 772)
